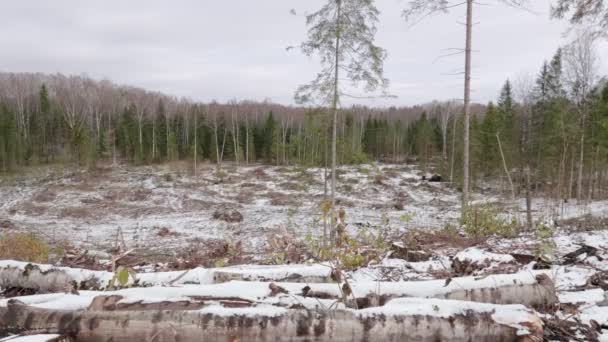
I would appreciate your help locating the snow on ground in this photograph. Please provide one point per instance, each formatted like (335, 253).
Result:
(86, 210)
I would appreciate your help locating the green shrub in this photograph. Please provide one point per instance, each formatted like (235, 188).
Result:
(450, 229)
(485, 221)
(546, 249)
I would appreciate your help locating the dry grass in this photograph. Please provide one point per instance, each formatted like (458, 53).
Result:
(165, 231)
(244, 196)
(75, 212)
(254, 186)
(24, 247)
(293, 186)
(7, 224)
(192, 204)
(30, 209)
(281, 199)
(45, 195)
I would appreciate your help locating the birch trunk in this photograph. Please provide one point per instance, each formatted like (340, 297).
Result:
(504, 164)
(467, 106)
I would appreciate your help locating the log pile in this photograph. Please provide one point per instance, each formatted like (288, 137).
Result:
(492, 308)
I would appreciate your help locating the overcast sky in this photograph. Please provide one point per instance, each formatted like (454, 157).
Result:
(228, 49)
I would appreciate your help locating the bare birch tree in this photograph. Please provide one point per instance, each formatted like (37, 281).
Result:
(581, 76)
(524, 91)
(417, 8)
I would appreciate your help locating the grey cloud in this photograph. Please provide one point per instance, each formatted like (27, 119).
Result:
(236, 48)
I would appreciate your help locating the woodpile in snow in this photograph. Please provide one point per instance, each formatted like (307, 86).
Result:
(268, 303)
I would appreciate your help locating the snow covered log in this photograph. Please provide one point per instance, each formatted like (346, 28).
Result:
(403, 319)
(36, 338)
(48, 278)
(534, 289)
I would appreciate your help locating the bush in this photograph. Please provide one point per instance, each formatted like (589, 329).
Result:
(24, 247)
(484, 221)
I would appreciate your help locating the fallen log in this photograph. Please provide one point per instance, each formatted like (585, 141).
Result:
(36, 338)
(48, 278)
(527, 288)
(534, 289)
(410, 319)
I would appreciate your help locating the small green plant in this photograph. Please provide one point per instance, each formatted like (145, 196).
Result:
(546, 249)
(407, 217)
(485, 221)
(121, 277)
(450, 229)
(221, 175)
(291, 223)
(347, 252)
(233, 251)
(316, 249)
(363, 169)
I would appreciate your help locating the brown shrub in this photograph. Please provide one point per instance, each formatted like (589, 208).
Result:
(139, 195)
(90, 200)
(228, 215)
(346, 188)
(352, 180)
(30, 209)
(391, 174)
(304, 178)
(191, 204)
(259, 173)
(24, 247)
(7, 224)
(112, 195)
(75, 212)
(244, 197)
(209, 253)
(165, 231)
(293, 186)
(281, 199)
(45, 195)
(379, 179)
(144, 211)
(344, 202)
(254, 186)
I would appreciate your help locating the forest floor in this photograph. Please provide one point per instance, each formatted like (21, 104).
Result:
(170, 220)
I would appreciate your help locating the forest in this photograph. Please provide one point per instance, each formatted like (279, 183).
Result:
(551, 125)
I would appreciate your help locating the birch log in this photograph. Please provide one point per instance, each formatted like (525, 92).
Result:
(405, 320)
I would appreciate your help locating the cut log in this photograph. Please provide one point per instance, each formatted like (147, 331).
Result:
(404, 319)
(48, 278)
(36, 338)
(534, 289)
(280, 273)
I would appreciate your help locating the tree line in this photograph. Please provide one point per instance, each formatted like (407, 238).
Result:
(73, 119)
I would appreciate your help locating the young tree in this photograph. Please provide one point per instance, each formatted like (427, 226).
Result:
(342, 35)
